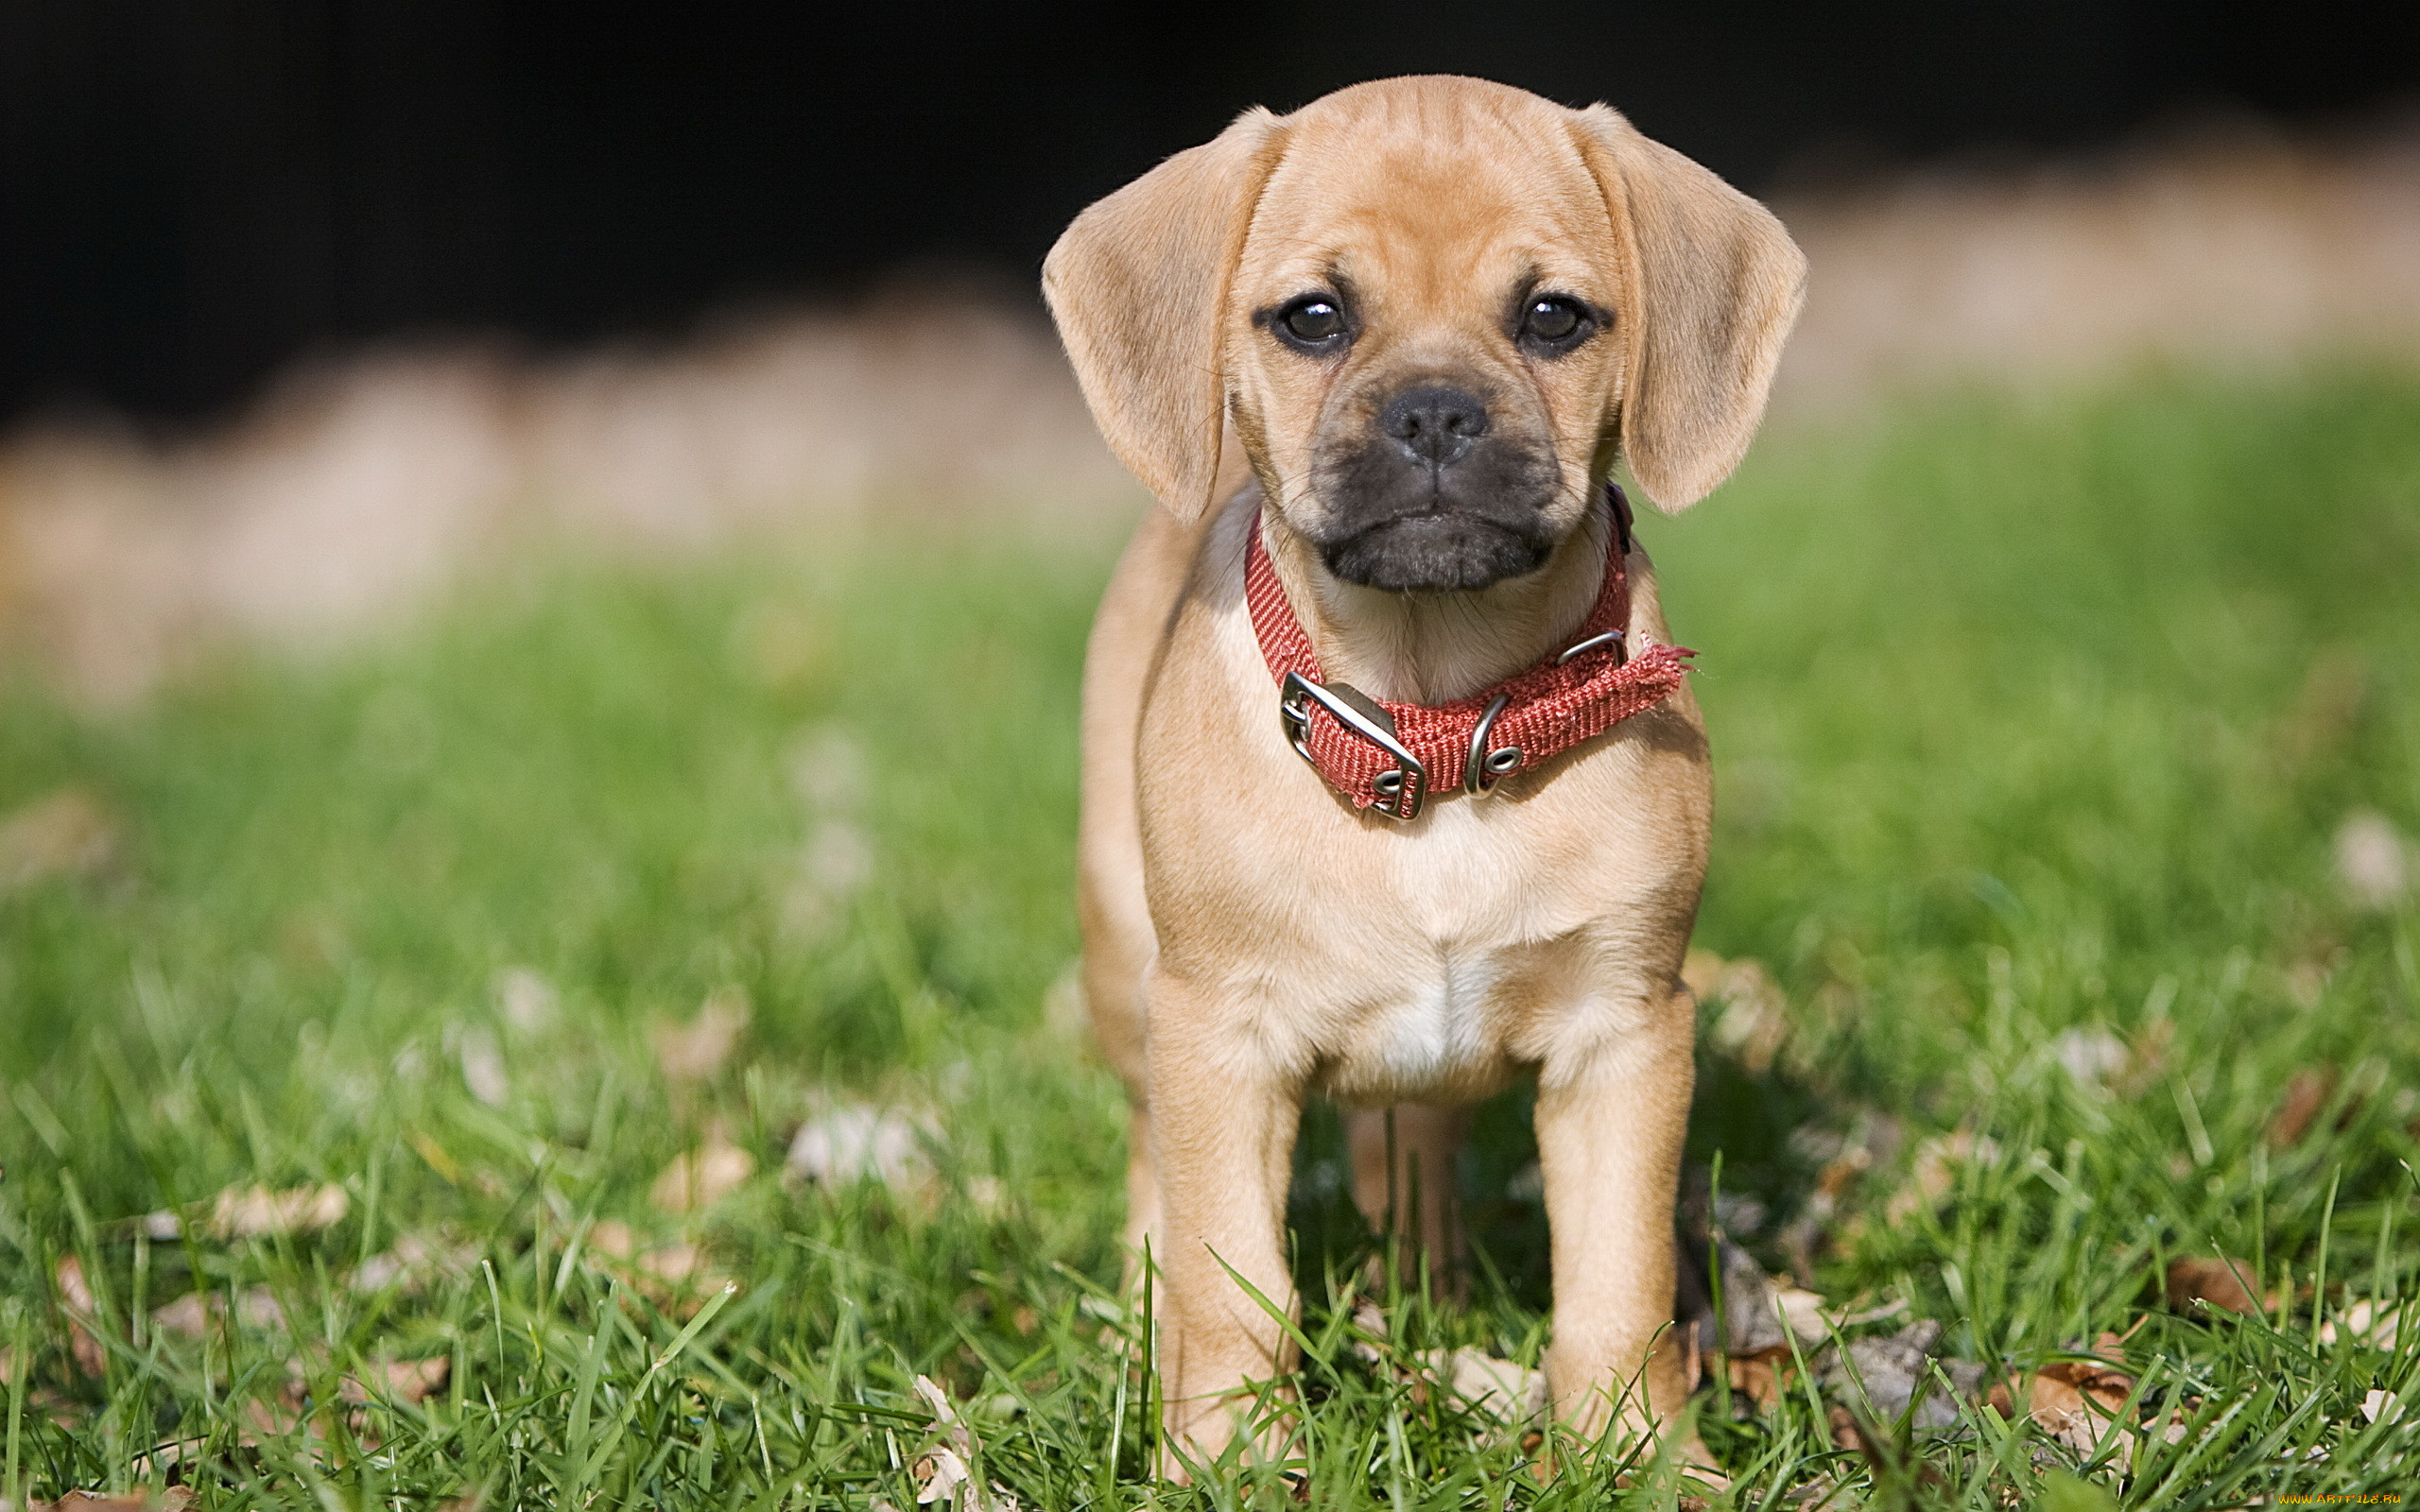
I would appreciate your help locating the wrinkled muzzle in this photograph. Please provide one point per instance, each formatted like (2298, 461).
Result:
(1433, 495)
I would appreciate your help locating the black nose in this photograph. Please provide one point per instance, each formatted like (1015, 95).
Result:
(1434, 424)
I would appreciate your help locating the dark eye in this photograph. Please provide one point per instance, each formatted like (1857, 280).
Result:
(1316, 322)
(1554, 322)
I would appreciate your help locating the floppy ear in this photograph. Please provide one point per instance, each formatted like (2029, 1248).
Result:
(1138, 285)
(1711, 284)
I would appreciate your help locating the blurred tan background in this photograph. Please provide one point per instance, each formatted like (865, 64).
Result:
(357, 486)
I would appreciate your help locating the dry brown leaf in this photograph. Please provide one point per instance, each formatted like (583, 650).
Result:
(2373, 860)
(190, 1315)
(1764, 1377)
(613, 1237)
(1755, 1021)
(409, 1380)
(412, 1262)
(258, 1212)
(1500, 1387)
(1935, 1170)
(695, 1051)
(483, 1069)
(2306, 1092)
(67, 833)
(172, 1499)
(673, 1263)
(275, 1419)
(2377, 1326)
(2092, 1056)
(856, 1142)
(528, 1000)
(676, 1276)
(2146, 1056)
(702, 1177)
(1845, 1433)
(2077, 1401)
(946, 1473)
(2057, 1407)
(2222, 1281)
(75, 1299)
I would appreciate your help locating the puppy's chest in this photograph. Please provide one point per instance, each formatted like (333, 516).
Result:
(1447, 970)
(1444, 1021)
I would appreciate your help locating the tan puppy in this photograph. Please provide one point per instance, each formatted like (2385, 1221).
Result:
(1404, 333)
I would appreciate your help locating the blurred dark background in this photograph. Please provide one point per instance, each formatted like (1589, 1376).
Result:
(192, 194)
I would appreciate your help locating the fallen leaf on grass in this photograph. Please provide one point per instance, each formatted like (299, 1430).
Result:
(695, 1051)
(407, 1381)
(2373, 860)
(2093, 1057)
(483, 1070)
(2146, 1056)
(68, 834)
(1935, 1170)
(1764, 1377)
(527, 999)
(258, 1212)
(945, 1473)
(1500, 1387)
(76, 1301)
(172, 1499)
(2221, 1281)
(677, 1277)
(2382, 1405)
(412, 1262)
(2377, 1326)
(2076, 1400)
(702, 1177)
(613, 1238)
(2306, 1092)
(1753, 1024)
(190, 1315)
(857, 1142)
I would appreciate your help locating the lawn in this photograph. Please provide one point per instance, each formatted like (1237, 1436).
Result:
(598, 1045)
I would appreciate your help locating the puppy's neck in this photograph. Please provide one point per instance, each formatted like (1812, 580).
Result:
(1433, 648)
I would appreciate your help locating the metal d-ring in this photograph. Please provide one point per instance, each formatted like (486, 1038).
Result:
(1612, 637)
(1482, 766)
(1401, 792)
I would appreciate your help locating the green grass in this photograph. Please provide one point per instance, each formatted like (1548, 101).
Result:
(2030, 718)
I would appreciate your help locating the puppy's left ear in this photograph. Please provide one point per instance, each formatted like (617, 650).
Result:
(1138, 284)
(1710, 284)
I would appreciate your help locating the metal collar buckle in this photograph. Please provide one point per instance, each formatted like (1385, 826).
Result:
(1612, 639)
(1482, 766)
(1401, 792)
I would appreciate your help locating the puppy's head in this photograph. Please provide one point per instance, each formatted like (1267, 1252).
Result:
(1435, 311)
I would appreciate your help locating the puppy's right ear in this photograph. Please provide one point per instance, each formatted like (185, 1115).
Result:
(1138, 285)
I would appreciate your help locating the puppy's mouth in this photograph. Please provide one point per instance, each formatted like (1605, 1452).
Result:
(1439, 551)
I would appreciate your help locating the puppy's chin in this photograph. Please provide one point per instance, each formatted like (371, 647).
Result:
(1443, 553)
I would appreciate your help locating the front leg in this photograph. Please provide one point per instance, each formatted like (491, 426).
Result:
(1222, 1126)
(1610, 1124)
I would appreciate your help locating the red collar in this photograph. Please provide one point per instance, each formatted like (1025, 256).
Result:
(1391, 756)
